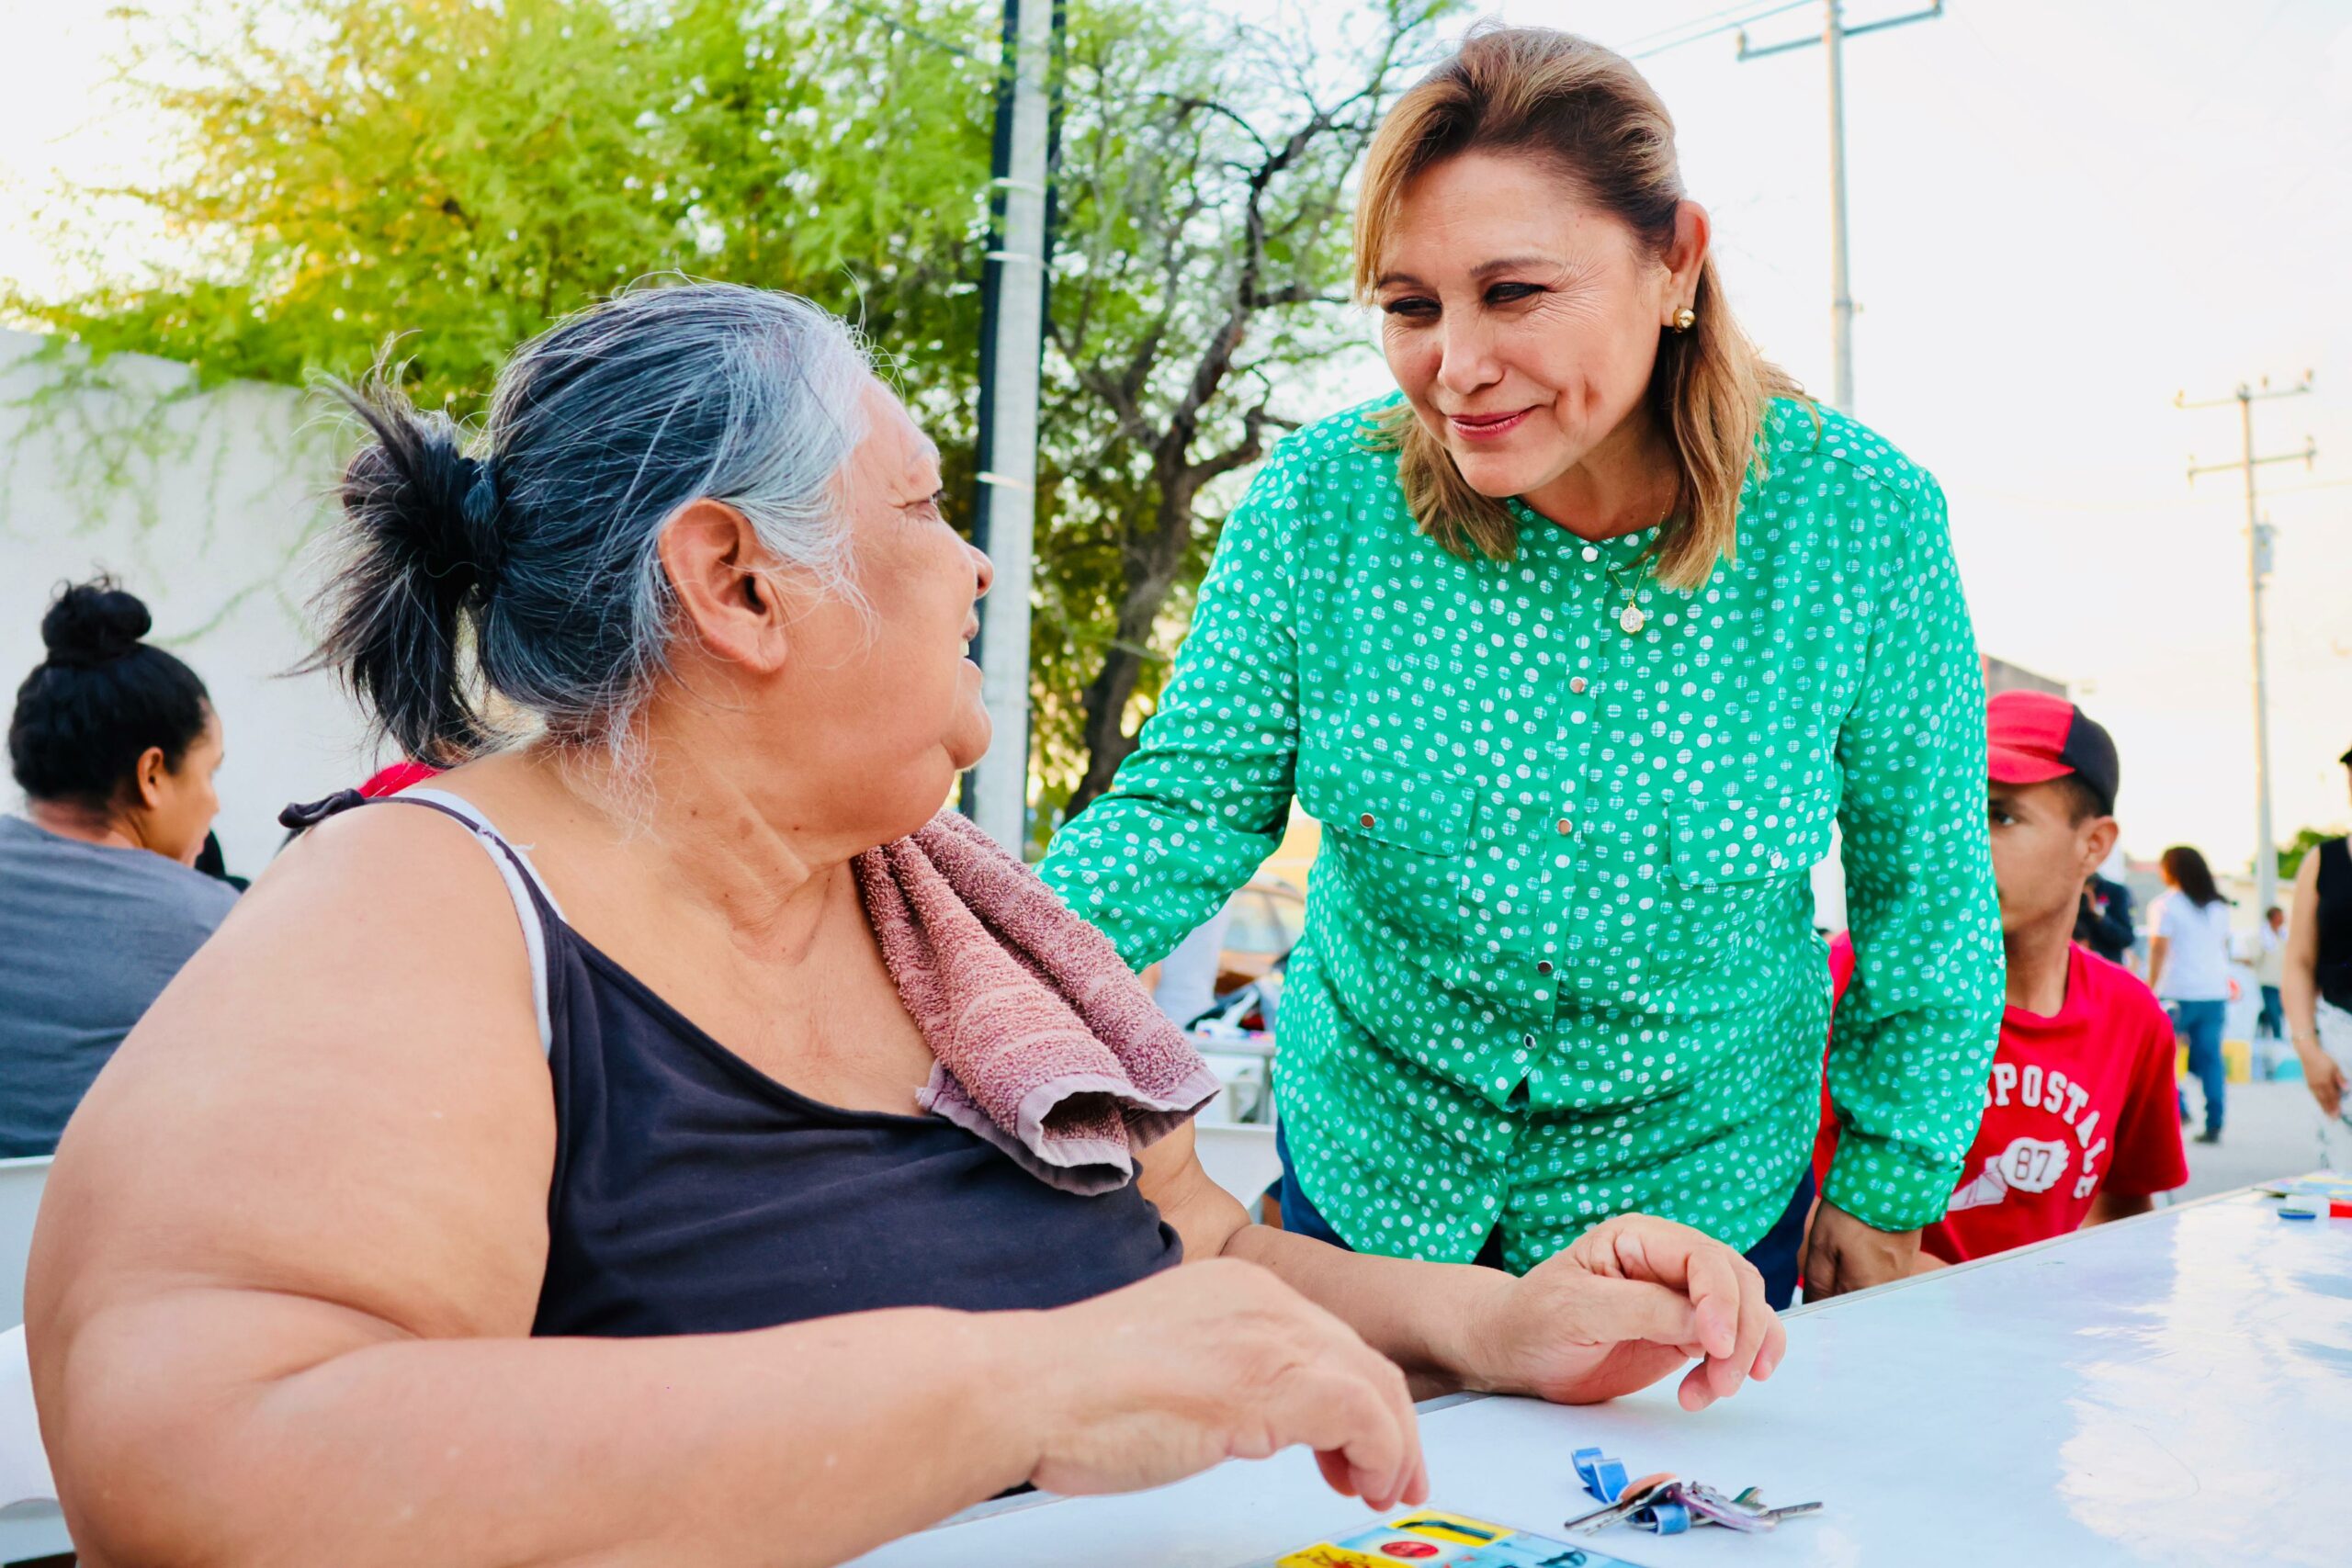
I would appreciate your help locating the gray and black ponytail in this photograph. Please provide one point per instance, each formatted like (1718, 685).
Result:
(525, 563)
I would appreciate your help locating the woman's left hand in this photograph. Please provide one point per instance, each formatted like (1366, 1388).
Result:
(1633, 1298)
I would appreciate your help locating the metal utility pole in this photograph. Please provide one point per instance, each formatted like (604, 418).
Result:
(1834, 34)
(997, 793)
(2258, 568)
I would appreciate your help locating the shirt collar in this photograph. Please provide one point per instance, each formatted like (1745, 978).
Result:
(1623, 550)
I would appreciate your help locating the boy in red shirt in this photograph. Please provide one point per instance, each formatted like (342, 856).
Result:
(2079, 1118)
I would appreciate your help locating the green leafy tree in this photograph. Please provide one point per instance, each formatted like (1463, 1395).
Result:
(2306, 840)
(451, 175)
(457, 175)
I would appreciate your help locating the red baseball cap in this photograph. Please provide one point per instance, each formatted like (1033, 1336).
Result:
(2034, 736)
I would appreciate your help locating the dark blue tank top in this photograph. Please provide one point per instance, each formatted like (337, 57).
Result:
(694, 1194)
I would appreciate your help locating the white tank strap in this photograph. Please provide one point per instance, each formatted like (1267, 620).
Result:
(514, 866)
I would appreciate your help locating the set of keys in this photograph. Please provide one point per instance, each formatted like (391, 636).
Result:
(1668, 1504)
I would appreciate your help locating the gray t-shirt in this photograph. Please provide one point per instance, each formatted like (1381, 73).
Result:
(89, 935)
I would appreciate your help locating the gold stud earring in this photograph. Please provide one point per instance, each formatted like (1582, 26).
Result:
(1683, 318)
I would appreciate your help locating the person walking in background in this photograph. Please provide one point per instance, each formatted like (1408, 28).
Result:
(2188, 968)
(2269, 972)
(2316, 977)
(2103, 923)
(1579, 645)
(114, 742)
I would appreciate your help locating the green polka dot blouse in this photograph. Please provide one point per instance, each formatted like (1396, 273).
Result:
(1559, 960)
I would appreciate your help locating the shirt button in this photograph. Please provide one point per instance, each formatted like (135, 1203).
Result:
(1367, 820)
(1578, 685)
(1564, 826)
(1543, 967)
(1530, 1041)
(1591, 554)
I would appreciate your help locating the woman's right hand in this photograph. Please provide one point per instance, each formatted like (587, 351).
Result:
(2322, 1076)
(1211, 1361)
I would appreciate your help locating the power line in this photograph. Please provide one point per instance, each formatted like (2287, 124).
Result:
(1732, 26)
(1669, 32)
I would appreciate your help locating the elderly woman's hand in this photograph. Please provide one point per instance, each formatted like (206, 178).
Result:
(1632, 1299)
(1215, 1360)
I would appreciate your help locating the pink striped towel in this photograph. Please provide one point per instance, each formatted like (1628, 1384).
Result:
(1047, 1045)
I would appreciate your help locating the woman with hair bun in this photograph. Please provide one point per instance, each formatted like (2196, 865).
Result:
(114, 742)
(1580, 646)
(571, 1158)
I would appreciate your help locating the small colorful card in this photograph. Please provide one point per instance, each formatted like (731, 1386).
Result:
(1426, 1538)
(2320, 1184)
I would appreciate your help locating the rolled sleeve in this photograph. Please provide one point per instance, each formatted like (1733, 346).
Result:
(1916, 1034)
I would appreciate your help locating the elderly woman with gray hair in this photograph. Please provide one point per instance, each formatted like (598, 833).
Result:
(405, 1231)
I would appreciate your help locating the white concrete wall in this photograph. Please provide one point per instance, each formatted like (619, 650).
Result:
(201, 503)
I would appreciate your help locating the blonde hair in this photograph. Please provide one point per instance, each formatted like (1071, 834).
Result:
(1587, 111)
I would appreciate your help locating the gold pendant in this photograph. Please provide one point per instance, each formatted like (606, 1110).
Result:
(1632, 620)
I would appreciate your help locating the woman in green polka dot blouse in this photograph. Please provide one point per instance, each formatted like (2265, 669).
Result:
(1577, 648)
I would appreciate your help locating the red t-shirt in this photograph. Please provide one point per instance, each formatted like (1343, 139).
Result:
(2077, 1104)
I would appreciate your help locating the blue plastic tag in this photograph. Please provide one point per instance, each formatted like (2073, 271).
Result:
(1602, 1476)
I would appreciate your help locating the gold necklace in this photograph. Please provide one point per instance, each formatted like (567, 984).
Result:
(1631, 618)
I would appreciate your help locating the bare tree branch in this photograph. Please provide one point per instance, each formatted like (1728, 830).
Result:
(1232, 240)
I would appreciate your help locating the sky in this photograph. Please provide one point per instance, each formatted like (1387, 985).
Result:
(2062, 213)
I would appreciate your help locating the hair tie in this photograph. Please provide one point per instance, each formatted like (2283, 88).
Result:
(480, 510)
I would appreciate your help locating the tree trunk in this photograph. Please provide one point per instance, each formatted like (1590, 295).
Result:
(1151, 573)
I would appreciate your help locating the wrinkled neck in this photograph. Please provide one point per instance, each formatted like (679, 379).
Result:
(746, 838)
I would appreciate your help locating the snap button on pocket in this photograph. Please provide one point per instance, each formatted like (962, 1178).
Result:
(1368, 820)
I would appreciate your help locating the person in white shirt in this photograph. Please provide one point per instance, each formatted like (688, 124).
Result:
(2188, 968)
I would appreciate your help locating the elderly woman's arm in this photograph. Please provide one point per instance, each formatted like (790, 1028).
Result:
(1630, 1301)
(292, 1247)
(1915, 1032)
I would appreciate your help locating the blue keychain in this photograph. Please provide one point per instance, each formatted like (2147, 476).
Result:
(1604, 1477)
(1665, 1503)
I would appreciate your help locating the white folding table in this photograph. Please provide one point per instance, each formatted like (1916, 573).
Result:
(2171, 1389)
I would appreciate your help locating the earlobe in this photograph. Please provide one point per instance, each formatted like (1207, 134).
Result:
(715, 564)
(2098, 844)
(150, 774)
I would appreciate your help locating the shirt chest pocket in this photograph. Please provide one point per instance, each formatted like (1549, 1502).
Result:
(1730, 842)
(1399, 838)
